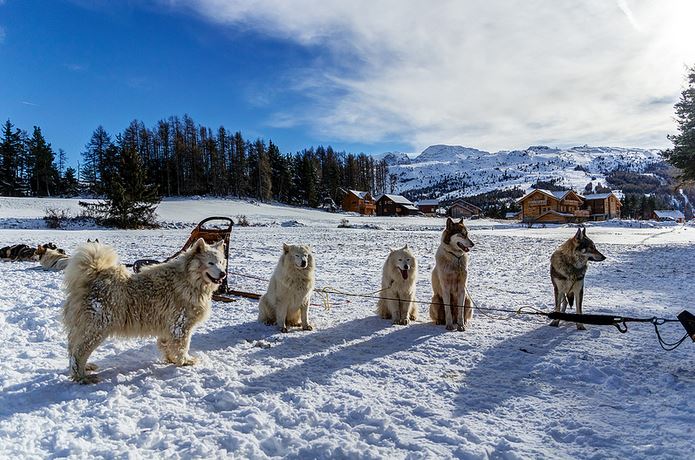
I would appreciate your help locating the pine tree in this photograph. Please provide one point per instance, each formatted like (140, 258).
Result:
(682, 155)
(43, 173)
(11, 155)
(131, 202)
(94, 169)
(69, 185)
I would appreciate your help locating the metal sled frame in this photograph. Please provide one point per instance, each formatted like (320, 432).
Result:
(210, 236)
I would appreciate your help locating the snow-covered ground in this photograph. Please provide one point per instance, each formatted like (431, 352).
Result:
(357, 387)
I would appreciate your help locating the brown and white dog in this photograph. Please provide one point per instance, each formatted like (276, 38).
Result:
(52, 258)
(449, 278)
(568, 266)
(18, 252)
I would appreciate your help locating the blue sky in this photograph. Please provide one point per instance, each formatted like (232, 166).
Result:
(362, 75)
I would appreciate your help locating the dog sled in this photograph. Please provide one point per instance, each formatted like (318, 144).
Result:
(211, 230)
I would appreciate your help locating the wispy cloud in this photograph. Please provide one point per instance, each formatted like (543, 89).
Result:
(29, 103)
(491, 74)
(74, 67)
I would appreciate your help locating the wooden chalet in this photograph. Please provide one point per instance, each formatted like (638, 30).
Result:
(360, 202)
(602, 206)
(552, 207)
(428, 207)
(395, 205)
(461, 208)
(667, 215)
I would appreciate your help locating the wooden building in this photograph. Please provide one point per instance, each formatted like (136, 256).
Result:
(557, 207)
(357, 201)
(428, 207)
(461, 208)
(602, 206)
(666, 215)
(395, 205)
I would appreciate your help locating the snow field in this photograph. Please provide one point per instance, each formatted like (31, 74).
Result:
(358, 387)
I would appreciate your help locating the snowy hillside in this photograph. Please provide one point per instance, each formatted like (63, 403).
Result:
(467, 171)
(356, 386)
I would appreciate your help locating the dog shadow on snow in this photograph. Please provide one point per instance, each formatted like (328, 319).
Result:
(331, 350)
(506, 370)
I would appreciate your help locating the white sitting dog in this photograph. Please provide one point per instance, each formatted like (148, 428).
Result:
(289, 290)
(398, 287)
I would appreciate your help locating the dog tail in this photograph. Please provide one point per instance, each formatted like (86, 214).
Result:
(85, 265)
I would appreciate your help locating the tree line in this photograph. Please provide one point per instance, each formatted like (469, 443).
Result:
(181, 158)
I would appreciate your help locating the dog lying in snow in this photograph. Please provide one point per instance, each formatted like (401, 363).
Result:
(287, 300)
(398, 287)
(568, 266)
(449, 278)
(166, 300)
(23, 252)
(52, 258)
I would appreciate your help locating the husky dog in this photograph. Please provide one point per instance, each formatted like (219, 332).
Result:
(167, 300)
(449, 278)
(289, 290)
(52, 259)
(21, 252)
(567, 269)
(398, 287)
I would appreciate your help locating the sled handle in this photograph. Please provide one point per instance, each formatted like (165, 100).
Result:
(229, 221)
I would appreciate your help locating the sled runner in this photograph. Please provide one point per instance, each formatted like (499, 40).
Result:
(222, 231)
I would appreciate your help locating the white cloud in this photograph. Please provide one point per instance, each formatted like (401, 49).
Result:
(485, 73)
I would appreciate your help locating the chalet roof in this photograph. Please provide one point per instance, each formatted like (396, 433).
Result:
(410, 207)
(669, 214)
(430, 202)
(464, 203)
(598, 196)
(359, 193)
(557, 194)
(397, 199)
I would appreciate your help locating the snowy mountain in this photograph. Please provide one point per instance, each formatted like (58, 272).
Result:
(394, 158)
(450, 170)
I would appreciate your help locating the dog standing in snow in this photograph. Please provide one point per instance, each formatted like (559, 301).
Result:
(167, 300)
(52, 258)
(449, 278)
(287, 300)
(568, 266)
(398, 287)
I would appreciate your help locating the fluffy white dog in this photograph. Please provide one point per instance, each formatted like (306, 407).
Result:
(289, 290)
(398, 287)
(167, 300)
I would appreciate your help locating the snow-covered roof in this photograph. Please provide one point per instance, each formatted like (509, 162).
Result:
(359, 193)
(669, 214)
(410, 207)
(430, 202)
(598, 196)
(397, 199)
(558, 194)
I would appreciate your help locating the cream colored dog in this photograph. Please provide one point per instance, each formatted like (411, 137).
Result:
(398, 287)
(289, 290)
(167, 300)
(52, 259)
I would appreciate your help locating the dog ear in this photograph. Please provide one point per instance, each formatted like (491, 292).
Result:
(199, 245)
(461, 220)
(449, 223)
(219, 245)
(584, 232)
(285, 248)
(406, 246)
(578, 235)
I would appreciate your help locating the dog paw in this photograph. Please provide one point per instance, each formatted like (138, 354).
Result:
(308, 327)
(555, 323)
(403, 322)
(284, 330)
(91, 367)
(188, 361)
(460, 328)
(449, 327)
(87, 379)
(581, 327)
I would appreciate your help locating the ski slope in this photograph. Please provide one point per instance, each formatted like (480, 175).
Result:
(356, 386)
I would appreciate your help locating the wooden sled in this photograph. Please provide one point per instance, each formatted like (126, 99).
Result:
(210, 235)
